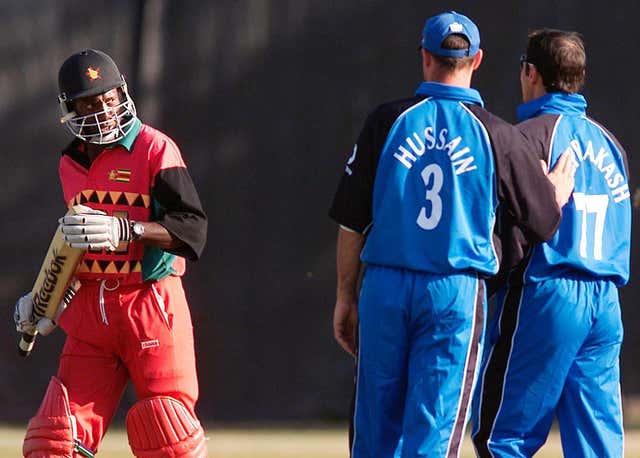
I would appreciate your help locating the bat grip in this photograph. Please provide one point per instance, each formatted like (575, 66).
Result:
(26, 343)
(27, 340)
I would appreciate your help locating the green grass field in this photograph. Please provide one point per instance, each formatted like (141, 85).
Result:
(275, 443)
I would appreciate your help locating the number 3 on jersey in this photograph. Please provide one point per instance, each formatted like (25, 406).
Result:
(433, 196)
(592, 203)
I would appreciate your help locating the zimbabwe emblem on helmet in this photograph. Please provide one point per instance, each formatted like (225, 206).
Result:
(93, 73)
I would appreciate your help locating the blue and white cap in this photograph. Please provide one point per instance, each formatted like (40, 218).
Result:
(439, 27)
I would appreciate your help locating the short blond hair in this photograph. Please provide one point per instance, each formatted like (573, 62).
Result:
(454, 41)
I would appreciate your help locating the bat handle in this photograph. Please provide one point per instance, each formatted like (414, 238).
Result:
(28, 340)
(26, 343)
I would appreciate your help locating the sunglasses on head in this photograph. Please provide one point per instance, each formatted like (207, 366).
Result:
(524, 59)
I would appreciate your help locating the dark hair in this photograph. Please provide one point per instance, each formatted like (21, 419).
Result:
(454, 41)
(559, 57)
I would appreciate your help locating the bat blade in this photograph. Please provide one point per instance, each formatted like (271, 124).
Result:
(53, 280)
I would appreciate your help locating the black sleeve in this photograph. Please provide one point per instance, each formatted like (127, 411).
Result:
(352, 202)
(180, 210)
(525, 193)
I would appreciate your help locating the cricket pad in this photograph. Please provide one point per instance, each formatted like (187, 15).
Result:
(162, 427)
(50, 432)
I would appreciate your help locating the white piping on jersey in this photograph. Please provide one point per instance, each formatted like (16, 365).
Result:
(495, 183)
(534, 247)
(386, 142)
(417, 104)
(464, 375)
(400, 116)
(553, 137)
(484, 129)
(606, 134)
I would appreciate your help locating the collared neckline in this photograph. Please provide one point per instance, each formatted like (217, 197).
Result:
(447, 91)
(128, 139)
(554, 102)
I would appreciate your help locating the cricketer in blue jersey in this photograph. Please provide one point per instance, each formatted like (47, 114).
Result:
(418, 203)
(555, 339)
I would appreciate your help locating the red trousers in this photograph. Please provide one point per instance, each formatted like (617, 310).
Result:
(141, 332)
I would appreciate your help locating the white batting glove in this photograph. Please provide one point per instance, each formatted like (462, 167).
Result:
(26, 321)
(93, 229)
(23, 315)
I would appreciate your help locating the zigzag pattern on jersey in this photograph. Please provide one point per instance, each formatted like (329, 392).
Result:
(109, 267)
(131, 199)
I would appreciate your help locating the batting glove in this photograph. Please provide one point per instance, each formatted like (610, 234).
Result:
(94, 230)
(23, 314)
(27, 322)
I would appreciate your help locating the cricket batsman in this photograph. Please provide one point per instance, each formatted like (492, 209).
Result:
(129, 320)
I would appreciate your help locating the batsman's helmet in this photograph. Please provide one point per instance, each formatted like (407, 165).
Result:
(89, 73)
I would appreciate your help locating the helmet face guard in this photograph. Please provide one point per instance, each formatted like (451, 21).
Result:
(91, 73)
(102, 127)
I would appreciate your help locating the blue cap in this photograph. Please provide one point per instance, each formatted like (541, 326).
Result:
(439, 27)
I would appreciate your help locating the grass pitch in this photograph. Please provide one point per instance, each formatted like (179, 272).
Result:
(276, 443)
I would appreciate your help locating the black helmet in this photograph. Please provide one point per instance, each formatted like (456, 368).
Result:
(87, 73)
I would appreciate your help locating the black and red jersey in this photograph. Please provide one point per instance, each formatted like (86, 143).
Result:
(143, 178)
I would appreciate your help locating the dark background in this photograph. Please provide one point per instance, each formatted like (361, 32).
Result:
(265, 99)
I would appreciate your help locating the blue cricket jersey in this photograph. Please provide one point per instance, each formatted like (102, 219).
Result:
(434, 198)
(429, 174)
(593, 238)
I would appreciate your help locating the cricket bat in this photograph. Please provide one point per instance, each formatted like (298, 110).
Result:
(52, 286)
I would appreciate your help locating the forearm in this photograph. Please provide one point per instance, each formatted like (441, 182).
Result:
(348, 263)
(156, 234)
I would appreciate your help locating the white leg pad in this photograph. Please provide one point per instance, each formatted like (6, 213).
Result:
(162, 427)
